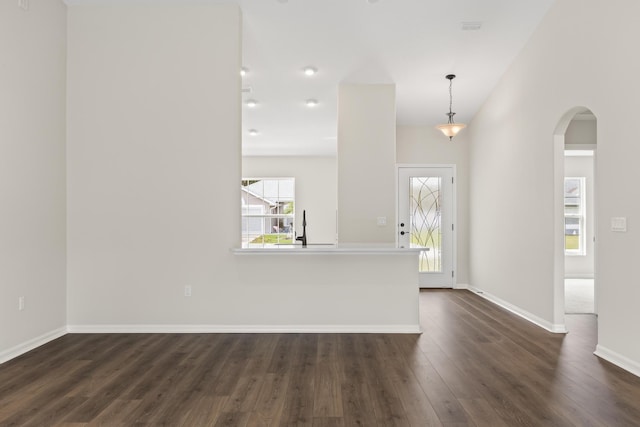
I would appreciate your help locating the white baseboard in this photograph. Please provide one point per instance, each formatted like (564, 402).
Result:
(461, 286)
(26, 346)
(551, 327)
(245, 329)
(618, 360)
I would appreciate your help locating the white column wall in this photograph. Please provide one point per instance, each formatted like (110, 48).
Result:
(366, 162)
(153, 145)
(574, 59)
(32, 174)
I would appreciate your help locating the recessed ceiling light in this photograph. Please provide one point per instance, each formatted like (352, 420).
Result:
(253, 132)
(244, 71)
(311, 103)
(310, 71)
(252, 103)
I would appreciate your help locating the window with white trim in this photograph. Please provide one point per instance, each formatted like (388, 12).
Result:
(574, 216)
(268, 212)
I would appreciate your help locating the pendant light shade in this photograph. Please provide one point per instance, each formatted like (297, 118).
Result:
(450, 128)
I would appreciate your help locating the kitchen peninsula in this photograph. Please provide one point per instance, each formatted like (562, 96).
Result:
(368, 288)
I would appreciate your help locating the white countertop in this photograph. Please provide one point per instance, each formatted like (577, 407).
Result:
(329, 249)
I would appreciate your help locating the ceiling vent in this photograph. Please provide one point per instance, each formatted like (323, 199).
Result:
(471, 25)
(246, 89)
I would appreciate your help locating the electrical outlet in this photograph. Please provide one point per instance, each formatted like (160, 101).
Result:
(20, 303)
(187, 291)
(619, 224)
(23, 4)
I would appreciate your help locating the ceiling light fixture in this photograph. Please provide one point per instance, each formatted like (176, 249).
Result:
(244, 71)
(251, 103)
(451, 129)
(311, 103)
(253, 132)
(310, 71)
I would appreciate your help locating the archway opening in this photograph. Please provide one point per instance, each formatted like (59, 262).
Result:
(575, 284)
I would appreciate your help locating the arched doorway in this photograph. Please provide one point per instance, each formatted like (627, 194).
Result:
(572, 236)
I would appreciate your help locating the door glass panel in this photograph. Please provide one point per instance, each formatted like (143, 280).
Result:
(425, 221)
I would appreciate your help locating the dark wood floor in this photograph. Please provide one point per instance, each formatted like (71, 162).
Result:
(475, 364)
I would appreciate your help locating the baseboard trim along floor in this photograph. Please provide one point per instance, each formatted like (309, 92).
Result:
(618, 360)
(246, 329)
(551, 327)
(29, 345)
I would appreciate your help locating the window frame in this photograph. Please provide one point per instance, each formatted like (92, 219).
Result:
(288, 219)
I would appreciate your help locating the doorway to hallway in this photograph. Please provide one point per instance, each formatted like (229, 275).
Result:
(579, 215)
(579, 296)
(576, 200)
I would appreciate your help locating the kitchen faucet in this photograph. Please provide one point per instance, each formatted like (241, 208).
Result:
(303, 238)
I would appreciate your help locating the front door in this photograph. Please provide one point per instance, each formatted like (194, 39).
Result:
(425, 220)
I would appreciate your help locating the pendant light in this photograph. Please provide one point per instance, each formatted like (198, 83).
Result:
(451, 129)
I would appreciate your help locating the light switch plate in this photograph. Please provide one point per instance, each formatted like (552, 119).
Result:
(619, 224)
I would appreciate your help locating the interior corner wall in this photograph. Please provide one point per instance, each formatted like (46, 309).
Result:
(153, 145)
(427, 145)
(512, 170)
(366, 162)
(32, 173)
(316, 189)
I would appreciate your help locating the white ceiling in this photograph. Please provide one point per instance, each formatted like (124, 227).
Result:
(412, 43)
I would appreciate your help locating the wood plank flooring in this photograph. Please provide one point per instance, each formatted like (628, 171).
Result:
(474, 365)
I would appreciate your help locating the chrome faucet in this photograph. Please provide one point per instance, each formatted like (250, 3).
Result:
(303, 238)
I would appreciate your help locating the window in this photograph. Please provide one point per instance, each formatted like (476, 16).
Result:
(574, 216)
(268, 207)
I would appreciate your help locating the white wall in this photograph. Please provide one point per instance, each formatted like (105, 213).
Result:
(32, 173)
(154, 167)
(571, 60)
(316, 189)
(366, 162)
(582, 265)
(153, 145)
(427, 145)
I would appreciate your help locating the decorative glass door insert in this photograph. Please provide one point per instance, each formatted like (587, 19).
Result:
(425, 220)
